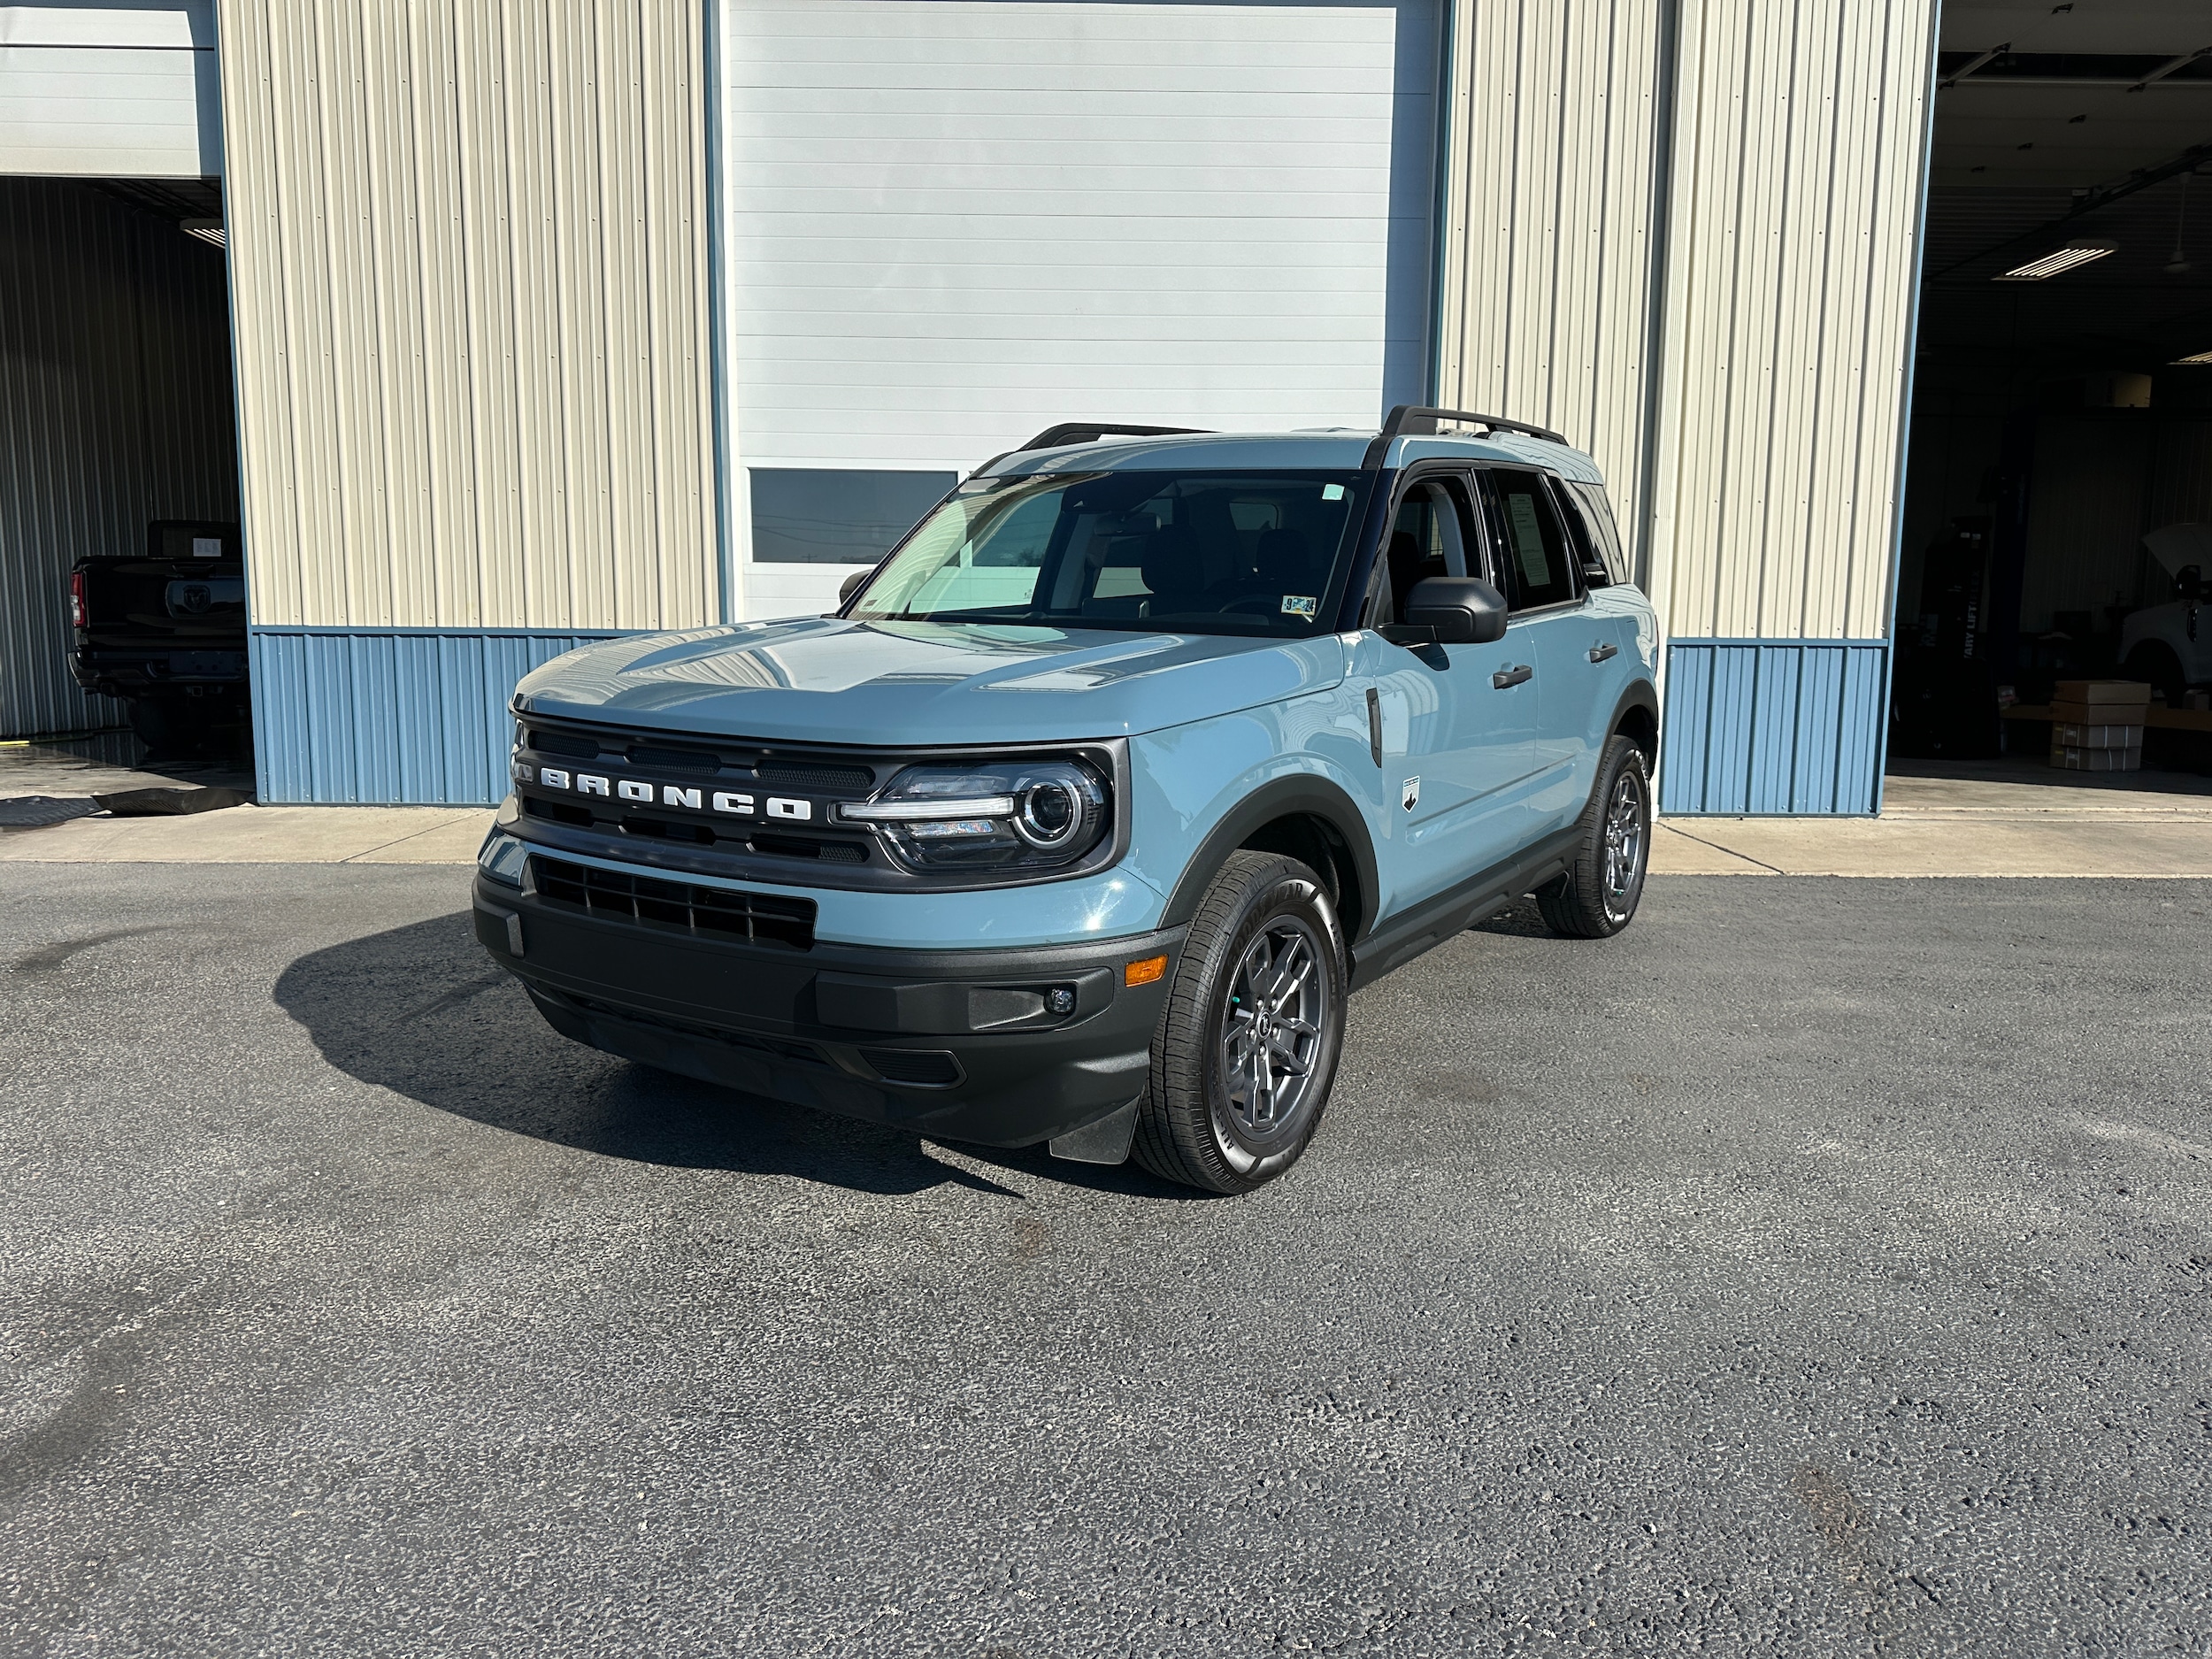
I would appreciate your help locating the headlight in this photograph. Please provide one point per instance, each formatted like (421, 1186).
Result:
(1019, 815)
(500, 857)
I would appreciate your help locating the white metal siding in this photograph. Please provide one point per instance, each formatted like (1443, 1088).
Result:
(1780, 262)
(1796, 176)
(952, 224)
(114, 411)
(110, 91)
(1549, 224)
(469, 249)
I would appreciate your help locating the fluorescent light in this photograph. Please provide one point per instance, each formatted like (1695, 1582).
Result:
(2201, 357)
(208, 230)
(2074, 253)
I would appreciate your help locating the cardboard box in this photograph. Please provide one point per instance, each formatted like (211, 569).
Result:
(2096, 691)
(2074, 736)
(2097, 759)
(2099, 713)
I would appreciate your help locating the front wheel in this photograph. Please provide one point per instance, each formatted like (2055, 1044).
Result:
(1598, 895)
(1246, 1046)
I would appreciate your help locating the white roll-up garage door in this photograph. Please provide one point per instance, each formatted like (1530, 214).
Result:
(949, 224)
(122, 90)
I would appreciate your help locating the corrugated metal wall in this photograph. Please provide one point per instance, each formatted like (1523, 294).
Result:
(469, 242)
(416, 715)
(115, 409)
(1551, 222)
(470, 248)
(1738, 185)
(1798, 155)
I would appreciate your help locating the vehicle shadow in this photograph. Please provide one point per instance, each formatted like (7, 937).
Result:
(422, 1010)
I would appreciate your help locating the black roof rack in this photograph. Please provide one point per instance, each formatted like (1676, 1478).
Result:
(1408, 421)
(1091, 432)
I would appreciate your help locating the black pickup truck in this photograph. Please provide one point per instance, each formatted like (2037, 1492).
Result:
(166, 633)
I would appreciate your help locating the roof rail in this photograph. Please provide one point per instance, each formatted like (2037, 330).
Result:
(1410, 421)
(1091, 432)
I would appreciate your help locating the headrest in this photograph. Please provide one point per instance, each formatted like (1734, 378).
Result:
(1284, 557)
(1173, 569)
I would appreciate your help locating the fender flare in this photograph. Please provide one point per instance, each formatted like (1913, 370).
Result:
(1640, 695)
(1309, 794)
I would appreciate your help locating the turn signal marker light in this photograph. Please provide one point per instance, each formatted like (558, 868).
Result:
(1144, 972)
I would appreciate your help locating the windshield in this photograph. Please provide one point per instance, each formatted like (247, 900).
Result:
(1194, 552)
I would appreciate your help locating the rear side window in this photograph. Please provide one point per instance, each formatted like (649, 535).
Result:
(1587, 503)
(1524, 524)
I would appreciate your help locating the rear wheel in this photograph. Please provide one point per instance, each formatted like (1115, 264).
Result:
(1247, 1048)
(1598, 895)
(2156, 666)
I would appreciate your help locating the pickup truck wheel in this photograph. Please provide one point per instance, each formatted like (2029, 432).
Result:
(1247, 1045)
(1598, 895)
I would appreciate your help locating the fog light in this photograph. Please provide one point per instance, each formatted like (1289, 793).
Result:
(1060, 999)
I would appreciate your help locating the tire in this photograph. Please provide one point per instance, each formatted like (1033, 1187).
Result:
(1202, 1122)
(2154, 663)
(1598, 895)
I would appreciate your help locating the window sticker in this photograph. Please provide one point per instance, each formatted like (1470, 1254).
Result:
(1298, 604)
(1528, 540)
(1332, 492)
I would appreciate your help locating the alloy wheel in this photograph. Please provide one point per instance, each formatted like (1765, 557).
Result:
(1272, 1029)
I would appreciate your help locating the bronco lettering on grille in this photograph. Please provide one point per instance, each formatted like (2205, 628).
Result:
(691, 800)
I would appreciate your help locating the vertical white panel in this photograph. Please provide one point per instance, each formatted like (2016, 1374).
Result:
(1548, 218)
(1797, 163)
(469, 241)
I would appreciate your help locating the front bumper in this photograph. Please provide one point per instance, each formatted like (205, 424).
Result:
(961, 1044)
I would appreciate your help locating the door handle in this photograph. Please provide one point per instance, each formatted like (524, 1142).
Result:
(1599, 653)
(1506, 677)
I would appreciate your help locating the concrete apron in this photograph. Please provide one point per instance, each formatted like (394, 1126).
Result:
(1958, 827)
(1934, 827)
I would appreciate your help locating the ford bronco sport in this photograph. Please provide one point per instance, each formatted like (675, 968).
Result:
(1080, 818)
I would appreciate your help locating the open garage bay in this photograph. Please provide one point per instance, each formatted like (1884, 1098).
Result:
(1822, 1262)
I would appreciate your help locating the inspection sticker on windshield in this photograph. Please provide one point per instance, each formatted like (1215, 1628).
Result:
(1298, 604)
(1332, 492)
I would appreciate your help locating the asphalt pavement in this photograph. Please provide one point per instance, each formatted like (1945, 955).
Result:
(1822, 1266)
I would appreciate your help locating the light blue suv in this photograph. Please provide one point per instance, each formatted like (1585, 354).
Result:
(1081, 819)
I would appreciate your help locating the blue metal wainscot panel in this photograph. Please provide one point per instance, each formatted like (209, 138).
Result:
(400, 717)
(1773, 727)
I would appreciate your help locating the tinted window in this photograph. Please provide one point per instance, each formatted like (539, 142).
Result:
(1533, 543)
(831, 516)
(1196, 552)
(1587, 501)
(1429, 536)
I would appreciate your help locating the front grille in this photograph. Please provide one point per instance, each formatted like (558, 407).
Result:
(788, 774)
(710, 912)
(575, 745)
(675, 759)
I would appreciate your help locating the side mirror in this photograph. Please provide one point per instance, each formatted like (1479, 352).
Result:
(1462, 610)
(852, 585)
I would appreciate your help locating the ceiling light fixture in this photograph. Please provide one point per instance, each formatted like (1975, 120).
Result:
(208, 230)
(2073, 254)
(2202, 359)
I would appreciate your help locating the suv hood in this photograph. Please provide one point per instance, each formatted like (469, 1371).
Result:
(884, 684)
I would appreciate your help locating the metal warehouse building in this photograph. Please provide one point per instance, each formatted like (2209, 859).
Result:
(499, 325)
